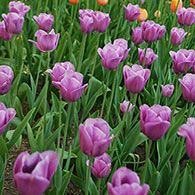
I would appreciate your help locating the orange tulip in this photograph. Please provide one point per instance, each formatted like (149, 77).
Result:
(174, 5)
(102, 2)
(74, 1)
(192, 3)
(143, 15)
(157, 14)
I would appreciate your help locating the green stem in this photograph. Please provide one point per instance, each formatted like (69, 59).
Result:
(65, 132)
(118, 24)
(145, 54)
(59, 124)
(148, 147)
(87, 4)
(45, 6)
(12, 52)
(192, 191)
(99, 186)
(88, 176)
(56, 15)
(105, 93)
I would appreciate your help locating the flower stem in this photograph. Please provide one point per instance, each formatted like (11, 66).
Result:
(145, 54)
(88, 176)
(59, 124)
(65, 131)
(87, 4)
(99, 186)
(12, 52)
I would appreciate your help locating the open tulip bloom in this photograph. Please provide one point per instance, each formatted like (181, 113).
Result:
(3, 32)
(18, 7)
(132, 12)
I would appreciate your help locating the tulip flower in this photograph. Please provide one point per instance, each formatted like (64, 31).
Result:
(142, 2)
(102, 2)
(86, 20)
(188, 131)
(188, 87)
(155, 120)
(183, 60)
(13, 22)
(135, 78)
(132, 12)
(174, 5)
(6, 77)
(6, 115)
(18, 7)
(124, 106)
(94, 137)
(44, 21)
(74, 1)
(46, 42)
(33, 173)
(137, 35)
(101, 166)
(3, 32)
(186, 17)
(150, 56)
(192, 3)
(100, 21)
(143, 15)
(59, 69)
(157, 14)
(71, 86)
(167, 90)
(125, 181)
(177, 35)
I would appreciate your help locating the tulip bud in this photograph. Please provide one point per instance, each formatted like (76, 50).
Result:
(102, 2)
(167, 90)
(157, 14)
(18, 7)
(74, 1)
(192, 3)
(132, 12)
(94, 137)
(3, 32)
(143, 15)
(155, 120)
(137, 35)
(124, 106)
(177, 35)
(174, 5)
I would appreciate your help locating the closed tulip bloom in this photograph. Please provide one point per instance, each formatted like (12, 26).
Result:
(157, 14)
(74, 1)
(94, 137)
(59, 69)
(13, 22)
(167, 90)
(143, 15)
(102, 2)
(183, 60)
(124, 106)
(149, 57)
(135, 78)
(3, 32)
(6, 77)
(137, 35)
(18, 7)
(155, 120)
(71, 86)
(44, 21)
(33, 173)
(142, 2)
(177, 35)
(86, 20)
(126, 182)
(192, 3)
(132, 12)
(6, 115)
(46, 42)
(174, 5)
(188, 131)
(100, 21)
(101, 166)
(161, 31)
(188, 87)
(186, 17)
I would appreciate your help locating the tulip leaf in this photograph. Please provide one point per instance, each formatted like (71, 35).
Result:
(31, 138)
(3, 164)
(4, 149)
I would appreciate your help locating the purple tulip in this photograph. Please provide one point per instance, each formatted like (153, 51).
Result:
(188, 87)
(141, 2)
(18, 7)
(135, 78)
(59, 69)
(101, 166)
(100, 21)
(183, 60)
(149, 57)
(3, 32)
(33, 173)
(177, 35)
(124, 105)
(71, 86)
(6, 77)
(186, 17)
(137, 35)
(46, 42)
(132, 12)
(155, 120)
(86, 20)
(152, 31)
(6, 115)
(167, 90)
(94, 137)
(188, 131)
(13, 22)
(44, 21)
(126, 182)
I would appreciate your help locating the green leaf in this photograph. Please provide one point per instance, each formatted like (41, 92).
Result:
(3, 150)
